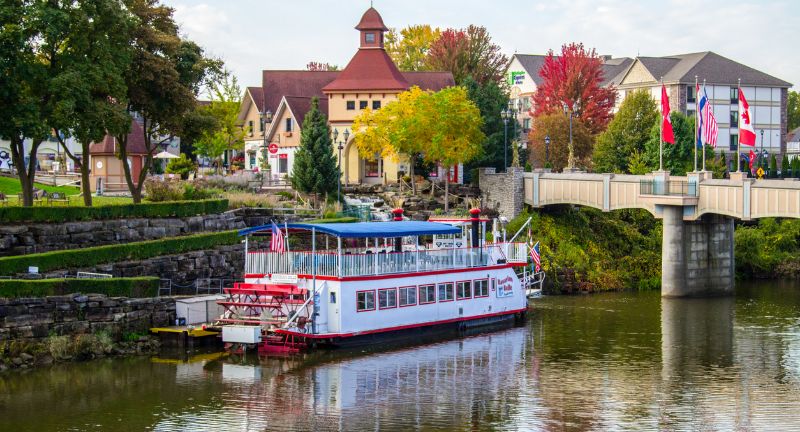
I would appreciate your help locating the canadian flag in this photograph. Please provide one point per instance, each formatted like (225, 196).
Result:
(747, 136)
(667, 135)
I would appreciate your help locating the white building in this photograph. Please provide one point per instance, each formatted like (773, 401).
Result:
(50, 155)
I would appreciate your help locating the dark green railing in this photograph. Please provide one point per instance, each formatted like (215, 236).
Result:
(670, 188)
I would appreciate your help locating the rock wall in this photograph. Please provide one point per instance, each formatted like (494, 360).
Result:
(38, 318)
(503, 192)
(222, 262)
(42, 237)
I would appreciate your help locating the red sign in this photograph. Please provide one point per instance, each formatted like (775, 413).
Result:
(283, 156)
(273, 148)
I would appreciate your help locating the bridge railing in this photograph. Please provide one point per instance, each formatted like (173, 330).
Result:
(670, 187)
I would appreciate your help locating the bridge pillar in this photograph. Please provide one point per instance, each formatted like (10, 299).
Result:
(696, 257)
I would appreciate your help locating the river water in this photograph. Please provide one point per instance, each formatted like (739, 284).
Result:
(619, 361)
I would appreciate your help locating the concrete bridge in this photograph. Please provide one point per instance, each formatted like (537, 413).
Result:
(698, 213)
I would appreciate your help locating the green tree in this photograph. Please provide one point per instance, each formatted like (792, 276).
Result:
(90, 78)
(627, 133)
(409, 49)
(165, 74)
(678, 157)
(793, 111)
(225, 95)
(182, 166)
(315, 169)
(796, 167)
(196, 124)
(773, 166)
(785, 166)
(490, 98)
(556, 126)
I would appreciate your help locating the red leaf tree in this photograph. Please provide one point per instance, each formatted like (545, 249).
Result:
(575, 77)
(468, 52)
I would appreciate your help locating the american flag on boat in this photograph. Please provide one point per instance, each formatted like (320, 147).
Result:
(537, 259)
(278, 243)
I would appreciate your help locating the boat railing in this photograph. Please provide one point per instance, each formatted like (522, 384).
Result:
(348, 265)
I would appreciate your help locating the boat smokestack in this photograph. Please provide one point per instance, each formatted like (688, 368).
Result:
(398, 217)
(475, 213)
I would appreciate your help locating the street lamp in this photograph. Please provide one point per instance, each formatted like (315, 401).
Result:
(340, 147)
(570, 111)
(546, 150)
(507, 115)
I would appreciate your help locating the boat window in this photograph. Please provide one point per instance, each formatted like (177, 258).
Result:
(464, 290)
(408, 296)
(365, 300)
(427, 294)
(333, 297)
(387, 298)
(481, 288)
(446, 292)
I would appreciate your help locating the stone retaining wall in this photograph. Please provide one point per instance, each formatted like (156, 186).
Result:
(37, 318)
(21, 239)
(503, 192)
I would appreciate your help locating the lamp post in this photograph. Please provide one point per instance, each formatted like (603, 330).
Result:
(340, 147)
(507, 115)
(570, 111)
(762, 162)
(546, 150)
(266, 118)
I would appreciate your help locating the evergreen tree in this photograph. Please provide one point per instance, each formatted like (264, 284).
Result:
(784, 166)
(796, 167)
(773, 167)
(315, 169)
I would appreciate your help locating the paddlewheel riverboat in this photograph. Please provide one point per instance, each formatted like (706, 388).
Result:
(350, 283)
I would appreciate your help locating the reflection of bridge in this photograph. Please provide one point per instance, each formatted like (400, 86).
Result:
(698, 213)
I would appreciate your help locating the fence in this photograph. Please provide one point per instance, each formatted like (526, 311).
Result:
(671, 187)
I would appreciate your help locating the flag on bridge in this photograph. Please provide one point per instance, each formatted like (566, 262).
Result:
(702, 102)
(537, 259)
(277, 244)
(667, 135)
(747, 135)
(709, 122)
(752, 158)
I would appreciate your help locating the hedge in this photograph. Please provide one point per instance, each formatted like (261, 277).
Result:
(113, 287)
(86, 257)
(112, 211)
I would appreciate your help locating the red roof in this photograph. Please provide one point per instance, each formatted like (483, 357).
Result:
(430, 80)
(279, 83)
(371, 20)
(301, 104)
(369, 69)
(258, 97)
(108, 146)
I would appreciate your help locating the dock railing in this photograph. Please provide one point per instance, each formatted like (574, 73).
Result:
(367, 264)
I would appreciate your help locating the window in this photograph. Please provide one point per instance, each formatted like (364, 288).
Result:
(408, 296)
(362, 104)
(463, 290)
(365, 300)
(735, 118)
(283, 164)
(252, 160)
(261, 125)
(289, 124)
(691, 94)
(369, 37)
(734, 145)
(333, 297)
(376, 105)
(250, 127)
(526, 123)
(446, 292)
(387, 298)
(427, 294)
(734, 95)
(481, 288)
(351, 105)
(371, 168)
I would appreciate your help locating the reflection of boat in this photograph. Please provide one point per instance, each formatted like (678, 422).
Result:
(364, 282)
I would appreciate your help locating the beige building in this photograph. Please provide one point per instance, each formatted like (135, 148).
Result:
(275, 111)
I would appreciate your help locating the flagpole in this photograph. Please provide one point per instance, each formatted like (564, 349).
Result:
(738, 126)
(708, 107)
(661, 135)
(696, 120)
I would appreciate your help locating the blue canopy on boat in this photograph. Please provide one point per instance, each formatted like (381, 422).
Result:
(366, 229)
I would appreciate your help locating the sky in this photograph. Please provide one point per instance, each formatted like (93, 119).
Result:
(251, 35)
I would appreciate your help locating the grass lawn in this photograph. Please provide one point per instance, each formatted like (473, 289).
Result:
(11, 187)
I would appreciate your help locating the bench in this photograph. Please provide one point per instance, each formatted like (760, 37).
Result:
(38, 194)
(56, 197)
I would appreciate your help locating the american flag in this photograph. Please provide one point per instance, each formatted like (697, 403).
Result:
(709, 123)
(537, 259)
(277, 244)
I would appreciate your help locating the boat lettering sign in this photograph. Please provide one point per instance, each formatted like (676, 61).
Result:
(505, 288)
(284, 278)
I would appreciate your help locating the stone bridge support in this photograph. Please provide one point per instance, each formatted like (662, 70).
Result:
(696, 256)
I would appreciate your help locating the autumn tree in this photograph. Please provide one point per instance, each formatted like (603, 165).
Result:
(225, 95)
(468, 52)
(626, 134)
(165, 75)
(556, 126)
(575, 77)
(409, 47)
(315, 170)
(320, 66)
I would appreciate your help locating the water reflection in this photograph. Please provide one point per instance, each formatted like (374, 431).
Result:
(604, 362)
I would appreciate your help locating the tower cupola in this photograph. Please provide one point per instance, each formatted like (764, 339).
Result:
(371, 29)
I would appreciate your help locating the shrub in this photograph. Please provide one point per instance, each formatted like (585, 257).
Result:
(182, 166)
(112, 211)
(79, 258)
(114, 287)
(199, 190)
(157, 190)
